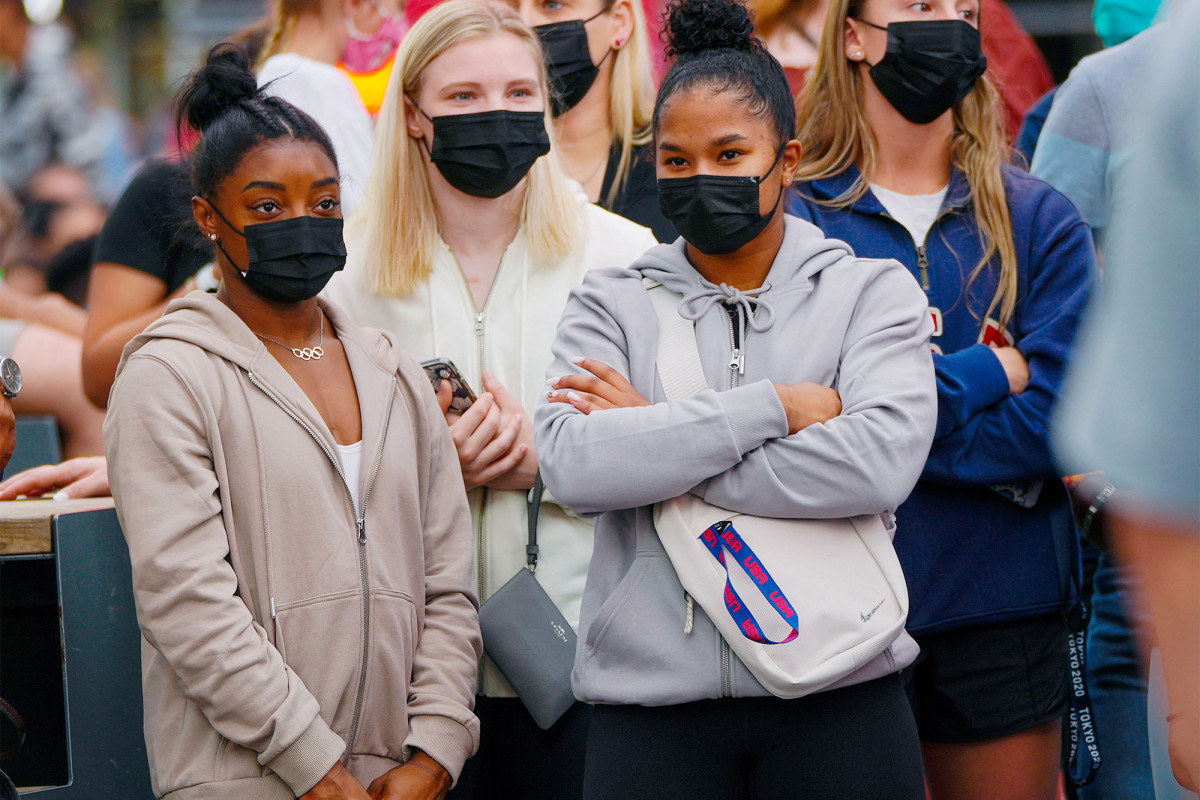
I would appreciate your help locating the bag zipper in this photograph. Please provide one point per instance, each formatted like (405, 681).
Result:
(360, 520)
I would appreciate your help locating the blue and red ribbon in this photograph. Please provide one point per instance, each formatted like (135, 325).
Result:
(722, 538)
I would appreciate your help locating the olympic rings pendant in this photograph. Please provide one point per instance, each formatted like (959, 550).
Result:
(308, 353)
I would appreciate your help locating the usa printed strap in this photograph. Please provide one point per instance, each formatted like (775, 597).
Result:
(722, 537)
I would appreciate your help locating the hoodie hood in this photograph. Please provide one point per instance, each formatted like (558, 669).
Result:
(201, 319)
(802, 255)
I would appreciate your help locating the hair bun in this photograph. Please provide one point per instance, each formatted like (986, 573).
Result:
(695, 25)
(223, 81)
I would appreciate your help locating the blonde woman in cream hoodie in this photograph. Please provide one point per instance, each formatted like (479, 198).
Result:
(467, 244)
(297, 526)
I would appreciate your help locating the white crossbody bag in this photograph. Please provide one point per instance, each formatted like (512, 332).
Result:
(802, 603)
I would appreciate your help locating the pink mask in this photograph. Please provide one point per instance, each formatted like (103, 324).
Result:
(368, 52)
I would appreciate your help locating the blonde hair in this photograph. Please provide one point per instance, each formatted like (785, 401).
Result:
(396, 224)
(631, 97)
(283, 19)
(834, 133)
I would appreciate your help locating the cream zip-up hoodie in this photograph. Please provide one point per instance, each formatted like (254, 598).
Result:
(282, 629)
(510, 336)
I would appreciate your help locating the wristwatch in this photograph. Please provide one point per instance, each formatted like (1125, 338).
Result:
(10, 378)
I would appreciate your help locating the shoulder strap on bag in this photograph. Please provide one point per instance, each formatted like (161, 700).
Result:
(678, 357)
(534, 508)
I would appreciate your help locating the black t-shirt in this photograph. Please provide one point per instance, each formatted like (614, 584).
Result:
(151, 227)
(638, 200)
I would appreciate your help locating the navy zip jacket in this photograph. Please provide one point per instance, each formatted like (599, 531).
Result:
(987, 534)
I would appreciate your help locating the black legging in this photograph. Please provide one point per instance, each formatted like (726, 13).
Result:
(517, 760)
(855, 743)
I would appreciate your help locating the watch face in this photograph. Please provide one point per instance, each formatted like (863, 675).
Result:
(10, 376)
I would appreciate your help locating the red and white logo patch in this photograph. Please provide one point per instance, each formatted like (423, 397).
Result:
(993, 335)
(936, 314)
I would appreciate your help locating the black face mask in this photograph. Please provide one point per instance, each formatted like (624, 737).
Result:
(569, 61)
(928, 67)
(716, 214)
(290, 259)
(487, 154)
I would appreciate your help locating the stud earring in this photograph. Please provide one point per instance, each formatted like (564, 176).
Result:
(212, 236)
(856, 55)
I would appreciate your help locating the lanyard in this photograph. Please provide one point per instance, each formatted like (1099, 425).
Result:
(1081, 723)
(722, 537)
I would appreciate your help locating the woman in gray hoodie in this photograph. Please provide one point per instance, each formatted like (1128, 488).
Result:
(820, 404)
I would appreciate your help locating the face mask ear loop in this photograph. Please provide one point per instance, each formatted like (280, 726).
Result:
(876, 27)
(871, 24)
(225, 219)
(599, 13)
(774, 164)
(424, 144)
(220, 246)
(600, 63)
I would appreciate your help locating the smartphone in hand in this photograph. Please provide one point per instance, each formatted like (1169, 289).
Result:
(443, 369)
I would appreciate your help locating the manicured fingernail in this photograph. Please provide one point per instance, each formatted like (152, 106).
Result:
(574, 397)
(61, 496)
(577, 360)
(550, 394)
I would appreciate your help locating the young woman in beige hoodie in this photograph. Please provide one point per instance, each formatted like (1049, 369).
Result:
(296, 519)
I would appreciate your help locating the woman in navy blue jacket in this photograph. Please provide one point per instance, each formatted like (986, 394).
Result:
(904, 157)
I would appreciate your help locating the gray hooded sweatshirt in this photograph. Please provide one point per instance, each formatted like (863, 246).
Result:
(858, 325)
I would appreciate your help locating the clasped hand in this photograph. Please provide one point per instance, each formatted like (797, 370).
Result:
(419, 778)
(494, 438)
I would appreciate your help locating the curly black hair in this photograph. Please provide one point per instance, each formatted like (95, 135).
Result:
(222, 100)
(714, 46)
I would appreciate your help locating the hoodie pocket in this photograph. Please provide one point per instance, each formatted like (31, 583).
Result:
(321, 639)
(619, 601)
(383, 724)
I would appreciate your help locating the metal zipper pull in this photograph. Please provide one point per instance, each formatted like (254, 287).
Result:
(923, 265)
(272, 608)
(479, 324)
(737, 361)
(362, 530)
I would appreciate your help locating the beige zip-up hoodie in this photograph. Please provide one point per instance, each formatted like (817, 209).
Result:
(282, 629)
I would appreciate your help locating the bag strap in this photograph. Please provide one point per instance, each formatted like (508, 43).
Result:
(678, 356)
(534, 502)
(10, 713)
(722, 537)
(1082, 756)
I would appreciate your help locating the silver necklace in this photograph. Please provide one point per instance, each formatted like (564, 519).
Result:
(303, 353)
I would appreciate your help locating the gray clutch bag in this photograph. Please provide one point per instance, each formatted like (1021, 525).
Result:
(528, 638)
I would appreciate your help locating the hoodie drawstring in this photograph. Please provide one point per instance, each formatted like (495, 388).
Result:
(696, 304)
